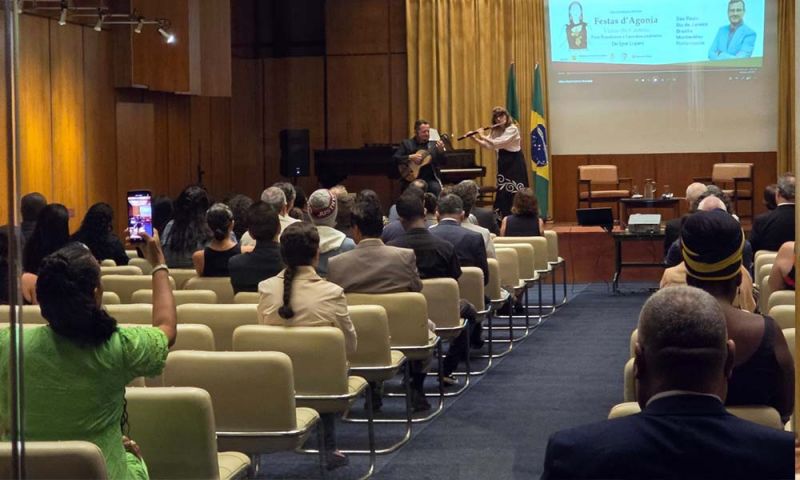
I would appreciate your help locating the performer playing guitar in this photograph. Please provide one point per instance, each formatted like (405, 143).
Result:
(417, 158)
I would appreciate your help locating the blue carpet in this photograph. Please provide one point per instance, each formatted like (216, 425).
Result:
(567, 373)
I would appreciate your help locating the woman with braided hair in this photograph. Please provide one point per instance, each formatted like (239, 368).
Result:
(76, 368)
(297, 296)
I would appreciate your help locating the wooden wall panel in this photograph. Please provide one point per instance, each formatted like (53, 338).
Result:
(200, 113)
(35, 148)
(358, 98)
(5, 184)
(214, 70)
(398, 115)
(154, 64)
(100, 119)
(181, 171)
(136, 152)
(220, 134)
(358, 27)
(247, 127)
(677, 170)
(397, 26)
(69, 146)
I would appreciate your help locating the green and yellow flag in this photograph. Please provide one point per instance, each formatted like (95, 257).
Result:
(512, 102)
(539, 153)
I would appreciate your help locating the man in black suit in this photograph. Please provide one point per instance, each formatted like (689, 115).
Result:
(469, 245)
(672, 230)
(772, 229)
(683, 361)
(248, 269)
(410, 151)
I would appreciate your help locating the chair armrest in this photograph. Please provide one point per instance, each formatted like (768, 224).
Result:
(629, 180)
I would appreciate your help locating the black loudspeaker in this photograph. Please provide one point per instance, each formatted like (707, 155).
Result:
(295, 153)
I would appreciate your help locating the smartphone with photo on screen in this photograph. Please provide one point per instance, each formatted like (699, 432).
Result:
(140, 214)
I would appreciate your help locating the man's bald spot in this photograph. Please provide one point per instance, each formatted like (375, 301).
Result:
(694, 191)
(711, 203)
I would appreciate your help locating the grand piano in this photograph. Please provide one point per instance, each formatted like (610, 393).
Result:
(333, 166)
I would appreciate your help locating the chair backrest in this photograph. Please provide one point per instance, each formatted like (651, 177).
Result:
(125, 285)
(763, 294)
(108, 262)
(552, 245)
(763, 272)
(246, 297)
(142, 263)
(726, 172)
(493, 287)
(318, 354)
(31, 315)
(110, 298)
(470, 287)
(508, 261)
(133, 313)
(56, 460)
(783, 315)
(175, 428)
(540, 249)
(760, 414)
(407, 313)
(181, 296)
(120, 270)
(634, 339)
(182, 275)
(443, 301)
(763, 252)
(193, 336)
(131, 254)
(781, 297)
(250, 391)
(788, 334)
(763, 257)
(629, 382)
(221, 285)
(372, 329)
(602, 174)
(222, 319)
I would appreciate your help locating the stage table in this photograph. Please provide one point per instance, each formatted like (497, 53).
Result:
(636, 203)
(625, 236)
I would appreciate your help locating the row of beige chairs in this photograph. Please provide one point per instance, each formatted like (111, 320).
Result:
(762, 267)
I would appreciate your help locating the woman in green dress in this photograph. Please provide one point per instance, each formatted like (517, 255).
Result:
(76, 368)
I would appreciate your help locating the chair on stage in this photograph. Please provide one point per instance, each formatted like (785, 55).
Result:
(735, 179)
(601, 184)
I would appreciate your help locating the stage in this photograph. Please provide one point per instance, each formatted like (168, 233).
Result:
(589, 252)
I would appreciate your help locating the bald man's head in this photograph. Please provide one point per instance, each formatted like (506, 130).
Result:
(711, 203)
(694, 191)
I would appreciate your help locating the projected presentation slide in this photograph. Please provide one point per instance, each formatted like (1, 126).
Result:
(710, 33)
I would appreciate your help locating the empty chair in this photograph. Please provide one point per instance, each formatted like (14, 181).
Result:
(601, 183)
(142, 263)
(556, 261)
(629, 382)
(131, 313)
(760, 414)
(110, 298)
(783, 315)
(175, 427)
(56, 461)
(541, 265)
(190, 337)
(782, 297)
(132, 254)
(181, 296)
(182, 275)
(253, 398)
(220, 285)
(107, 262)
(31, 314)
(246, 297)
(120, 270)
(222, 319)
(443, 297)
(735, 179)
(125, 285)
(763, 257)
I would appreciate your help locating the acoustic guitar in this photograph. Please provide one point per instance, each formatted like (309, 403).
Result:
(410, 171)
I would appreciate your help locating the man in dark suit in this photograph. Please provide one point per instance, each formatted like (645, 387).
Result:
(672, 230)
(486, 217)
(469, 245)
(248, 269)
(772, 229)
(682, 364)
(414, 149)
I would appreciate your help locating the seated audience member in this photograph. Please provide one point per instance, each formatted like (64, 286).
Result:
(672, 229)
(485, 217)
(289, 192)
(338, 190)
(29, 206)
(436, 258)
(524, 220)
(373, 267)
(395, 228)
(239, 205)
(275, 198)
(344, 205)
(162, 213)
(776, 227)
(419, 184)
(77, 367)
(708, 202)
(468, 191)
(769, 197)
(300, 209)
(683, 361)
(96, 232)
(430, 203)
(212, 261)
(297, 296)
(188, 231)
(322, 208)
(468, 245)
(763, 372)
(50, 234)
(264, 261)
(782, 275)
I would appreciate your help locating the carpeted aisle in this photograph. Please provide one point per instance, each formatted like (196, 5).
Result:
(567, 373)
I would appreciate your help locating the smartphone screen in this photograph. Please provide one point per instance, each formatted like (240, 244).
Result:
(140, 214)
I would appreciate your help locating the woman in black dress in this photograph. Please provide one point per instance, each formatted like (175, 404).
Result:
(511, 172)
(524, 220)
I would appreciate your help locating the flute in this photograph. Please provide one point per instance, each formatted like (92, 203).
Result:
(475, 132)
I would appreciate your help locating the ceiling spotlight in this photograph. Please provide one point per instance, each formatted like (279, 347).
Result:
(139, 25)
(99, 25)
(168, 37)
(62, 18)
